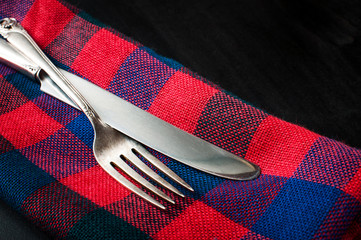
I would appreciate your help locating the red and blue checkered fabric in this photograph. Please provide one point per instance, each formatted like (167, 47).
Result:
(309, 187)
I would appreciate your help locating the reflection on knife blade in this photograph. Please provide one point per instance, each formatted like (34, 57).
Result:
(139, 124)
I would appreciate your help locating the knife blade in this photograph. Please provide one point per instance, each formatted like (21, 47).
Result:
(139, 124)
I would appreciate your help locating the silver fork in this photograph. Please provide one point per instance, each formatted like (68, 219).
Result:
(112, 149)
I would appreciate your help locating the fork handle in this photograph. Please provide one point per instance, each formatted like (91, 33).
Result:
(19, 38)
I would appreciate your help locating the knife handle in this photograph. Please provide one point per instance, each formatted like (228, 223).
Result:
(18, 37)
(16, 60)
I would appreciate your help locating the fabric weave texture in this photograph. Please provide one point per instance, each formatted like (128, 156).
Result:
(309, 187)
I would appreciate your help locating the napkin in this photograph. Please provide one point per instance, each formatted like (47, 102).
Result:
(309, 187)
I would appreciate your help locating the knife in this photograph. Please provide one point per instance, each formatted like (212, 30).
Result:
(139, 124)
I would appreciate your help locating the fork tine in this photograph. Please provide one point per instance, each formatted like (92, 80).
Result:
(161, 166)
(136, 177)
(126, 183)
(153, 175)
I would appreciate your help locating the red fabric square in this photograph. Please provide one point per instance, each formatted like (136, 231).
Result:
(45, 20)
(102, 56)
(182, 100)
(27, 125)
(353, 187)
(200, 221)
(279, 147)
(96, 185)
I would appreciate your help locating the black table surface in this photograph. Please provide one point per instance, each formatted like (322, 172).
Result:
(298, 60)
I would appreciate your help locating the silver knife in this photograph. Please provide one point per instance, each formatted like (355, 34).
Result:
(139, 124)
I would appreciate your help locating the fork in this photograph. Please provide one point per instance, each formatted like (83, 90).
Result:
(112, 149)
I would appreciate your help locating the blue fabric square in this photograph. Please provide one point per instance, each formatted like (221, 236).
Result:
(21, 177)
(297, 211)
(201, 182)
(325, 161)
(245, 201)
(25, 85)
(140, 78)
(10, 8)
(82, 128)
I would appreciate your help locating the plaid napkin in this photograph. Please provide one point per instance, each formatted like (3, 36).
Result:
(309, 187)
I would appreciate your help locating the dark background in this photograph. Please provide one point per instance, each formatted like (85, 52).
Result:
(298, 59)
